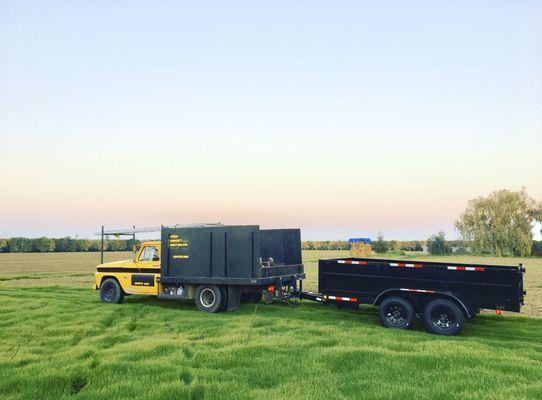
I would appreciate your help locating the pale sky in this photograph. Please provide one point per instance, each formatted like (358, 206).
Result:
(340, 118)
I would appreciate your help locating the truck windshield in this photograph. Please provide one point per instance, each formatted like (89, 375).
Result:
(149, 253)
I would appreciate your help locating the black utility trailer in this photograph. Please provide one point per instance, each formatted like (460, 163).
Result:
(442, 294)
(221, 265)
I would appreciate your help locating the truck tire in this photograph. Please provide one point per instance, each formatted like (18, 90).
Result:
(224, 291)
(443, 317)
(111, 292)
(209, 298)
(396, 312)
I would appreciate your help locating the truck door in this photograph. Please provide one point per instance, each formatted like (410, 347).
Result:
(147, 263)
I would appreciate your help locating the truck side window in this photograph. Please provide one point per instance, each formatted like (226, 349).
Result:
(149, 253)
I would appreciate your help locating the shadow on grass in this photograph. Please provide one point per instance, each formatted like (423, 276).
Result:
(485, 325)
(490, 327)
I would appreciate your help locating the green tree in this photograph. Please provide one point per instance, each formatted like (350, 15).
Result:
(20, 245)
(500, 224)
(83, 245)
(380, 246)
(437, 244)
(3, 246)
(95, 245)
(44, 244)
(65, 244)
(116, 245)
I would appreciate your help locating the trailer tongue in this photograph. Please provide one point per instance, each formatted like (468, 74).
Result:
(443, 294)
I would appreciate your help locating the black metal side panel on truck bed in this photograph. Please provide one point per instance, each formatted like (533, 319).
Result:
(476, 286)
(229, 255)
(219, 252)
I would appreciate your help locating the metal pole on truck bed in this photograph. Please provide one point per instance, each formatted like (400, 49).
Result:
(102, 248)
(133, 243)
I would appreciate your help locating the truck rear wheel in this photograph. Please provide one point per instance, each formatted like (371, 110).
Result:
(209, 298)
(224, 291)
(396, 312)
(111, 292)
(443, 317)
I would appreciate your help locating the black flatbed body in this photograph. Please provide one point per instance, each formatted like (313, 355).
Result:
(238, 255)
(369, 280)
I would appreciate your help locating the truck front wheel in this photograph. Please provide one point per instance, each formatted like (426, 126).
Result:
(111, 292)
(209, 298)
(396, 312)
(443, 317)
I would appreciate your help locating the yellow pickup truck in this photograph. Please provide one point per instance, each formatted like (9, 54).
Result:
(218, 266)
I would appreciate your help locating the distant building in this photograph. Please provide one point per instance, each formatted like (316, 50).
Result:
(359, 240)
(360, 247)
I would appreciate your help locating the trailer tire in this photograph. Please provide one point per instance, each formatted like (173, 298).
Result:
(209, 298)
(443, 317)
(396, 312)
(111, 292)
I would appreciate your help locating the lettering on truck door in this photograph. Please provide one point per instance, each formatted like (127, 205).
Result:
(148, 264)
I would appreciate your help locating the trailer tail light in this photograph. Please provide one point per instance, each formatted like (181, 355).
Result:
(271, 288)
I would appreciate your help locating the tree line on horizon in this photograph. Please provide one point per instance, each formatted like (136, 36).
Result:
(499, 224)
(65, 244)
(436, 244)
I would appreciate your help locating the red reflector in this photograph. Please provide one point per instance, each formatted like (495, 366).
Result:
(348, 261)
(418, 266)
(498, 311)
(479, 269)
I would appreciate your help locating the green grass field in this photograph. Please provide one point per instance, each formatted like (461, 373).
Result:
(58, 341)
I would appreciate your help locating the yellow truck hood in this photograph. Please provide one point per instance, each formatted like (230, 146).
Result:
(117, 264)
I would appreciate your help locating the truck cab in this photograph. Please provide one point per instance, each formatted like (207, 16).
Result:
(137, 276)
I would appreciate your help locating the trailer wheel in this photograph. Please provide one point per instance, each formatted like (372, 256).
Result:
(396, 312)
(209, 298)
(111, 292)
(443, 317)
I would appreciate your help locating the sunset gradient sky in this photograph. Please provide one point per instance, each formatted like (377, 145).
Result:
(341, 118)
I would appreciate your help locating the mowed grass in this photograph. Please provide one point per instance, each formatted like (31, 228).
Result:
(58, 341)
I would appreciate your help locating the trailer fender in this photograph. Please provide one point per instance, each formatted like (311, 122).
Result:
(402, 291)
